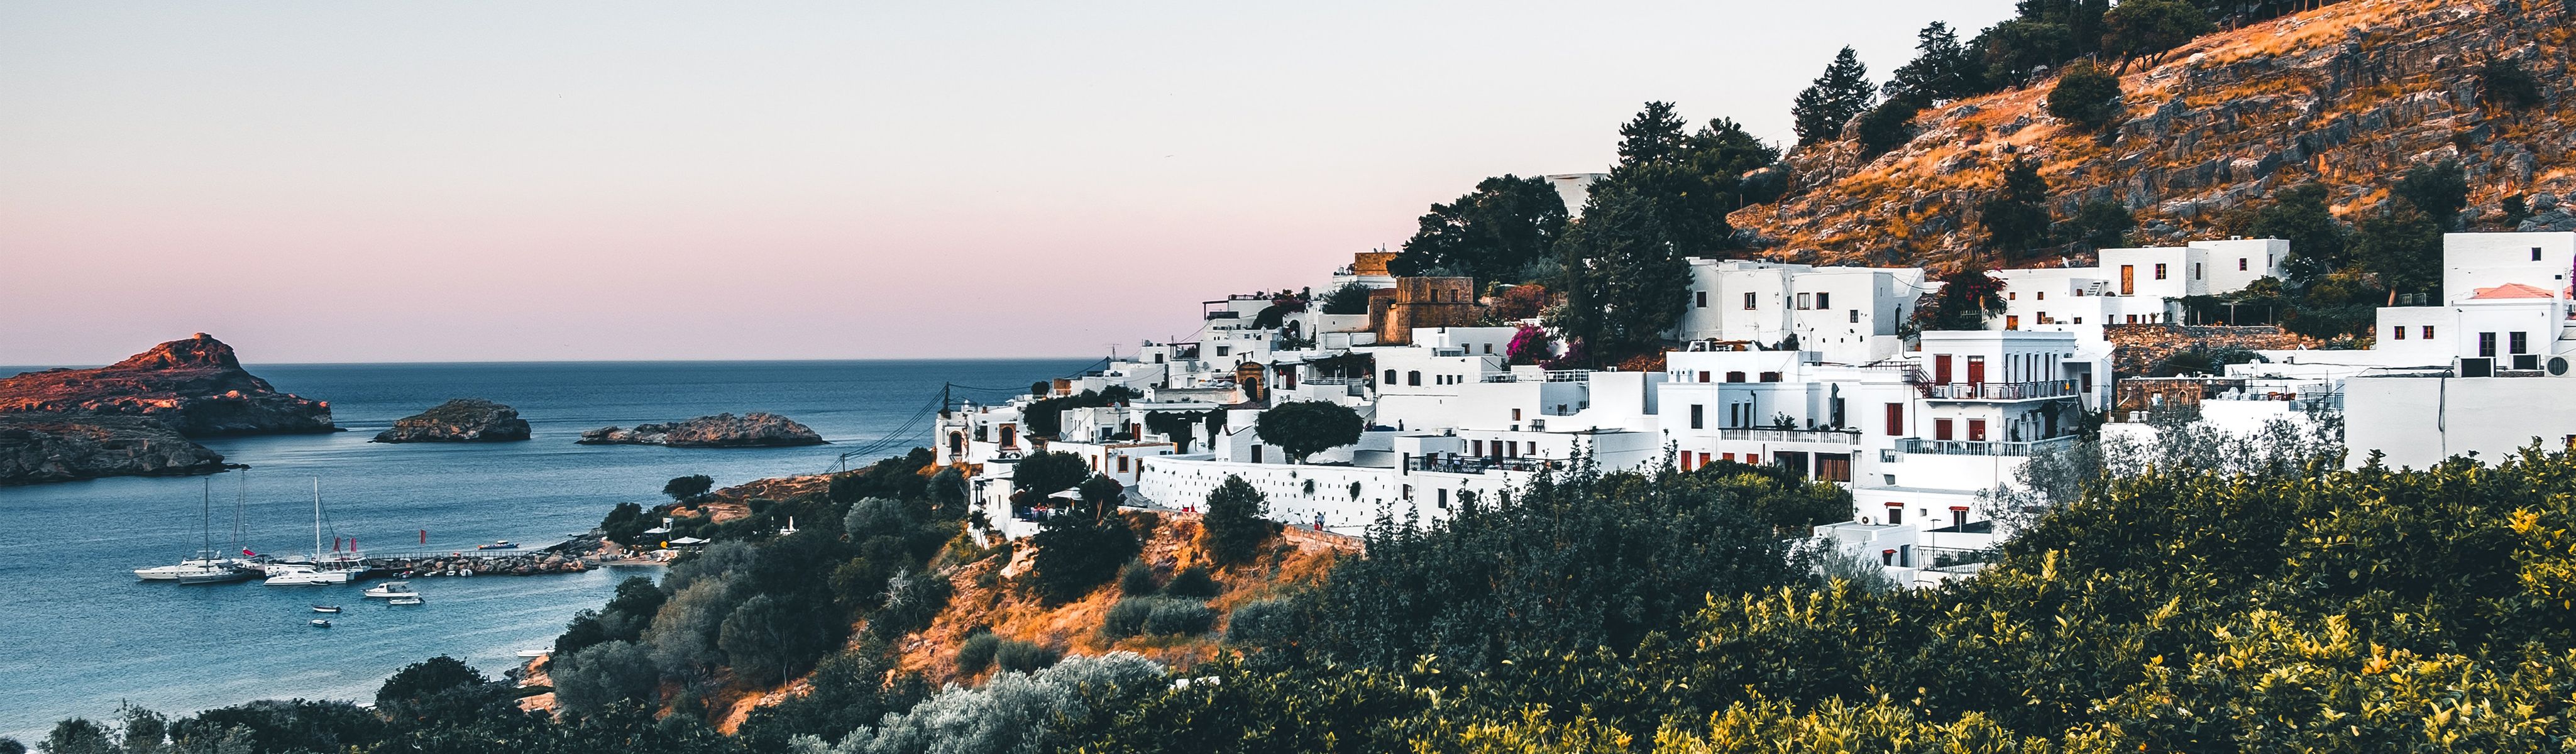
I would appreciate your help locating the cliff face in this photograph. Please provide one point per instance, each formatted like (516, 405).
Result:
(459, 420)
(43, 447)
(195, 386)
(2349, 96)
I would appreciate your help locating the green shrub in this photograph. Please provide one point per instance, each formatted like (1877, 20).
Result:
(1193, 581)
(1024, 657)
(1137, 579)
(1172, 615)
(977, 652)
(1264, 623)
(1127, 618)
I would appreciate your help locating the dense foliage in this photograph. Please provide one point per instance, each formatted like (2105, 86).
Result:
(1493, 234)
(1237, 521)
(1304, 428)
(2015, 216)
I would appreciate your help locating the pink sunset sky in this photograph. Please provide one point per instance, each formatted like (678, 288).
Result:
(456, 181)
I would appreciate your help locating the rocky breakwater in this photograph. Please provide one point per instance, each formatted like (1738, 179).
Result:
(459, 420)
(753, 430)
(134, 417)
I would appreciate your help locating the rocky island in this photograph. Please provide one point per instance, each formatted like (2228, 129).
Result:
(134, 417)
(753, 430)
(459, 420)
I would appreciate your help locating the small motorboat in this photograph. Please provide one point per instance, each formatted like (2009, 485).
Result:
(390, 589)
(320, 623)
(499, 545)
(326, 608)
(530, 654)
(404, 600)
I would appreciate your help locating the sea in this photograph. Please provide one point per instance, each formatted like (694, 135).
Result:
(81, 636)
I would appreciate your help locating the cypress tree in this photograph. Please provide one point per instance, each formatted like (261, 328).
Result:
(1841, 93)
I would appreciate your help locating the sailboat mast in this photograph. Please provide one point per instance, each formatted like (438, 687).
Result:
(206, 518)
(317, 519)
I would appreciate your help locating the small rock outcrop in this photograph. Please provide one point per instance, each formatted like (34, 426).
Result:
(459, 420)
(48, 447)
(195, 386)
(753, 430)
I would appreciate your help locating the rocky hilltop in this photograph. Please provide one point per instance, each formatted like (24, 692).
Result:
(459, 420)
(2348, 96)
(196, 386)
(47, 447)
(753, 430)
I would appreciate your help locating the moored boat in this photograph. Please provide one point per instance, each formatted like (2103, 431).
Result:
(391, 589)
(320, 623)
(326, 608)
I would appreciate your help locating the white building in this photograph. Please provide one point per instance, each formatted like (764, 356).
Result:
(1847, 314)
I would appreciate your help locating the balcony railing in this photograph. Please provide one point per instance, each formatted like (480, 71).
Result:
(1553, 375)
(1474, 464)
(2005, 391)
(1833, 436)
(1333, 381)
(1983, 447)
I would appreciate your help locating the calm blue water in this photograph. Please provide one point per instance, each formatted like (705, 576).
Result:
(78, 634)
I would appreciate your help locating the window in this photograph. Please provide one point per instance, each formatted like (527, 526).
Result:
(1699, 416)
(1256, 454)
(2486, 344)
(1390, 376)
(1478, 445)
(1223, 350)
(1516, 414)
(1976, 430)
(1855, 315)
(1803, 300)
(2041, 295)
(1010, 435)
(2195, 271)
(2079, 320)
(1941, 429)
(1489, 348)
(1735, 376)
(2160, 270)
(1413, 378)
(2240, 264)
(2012, 295)
(1896, 513)
(1703, 376)
(1825, 300)
(1122, 464)
(1770, 376)
(1699, 299)
(2520, 342)
(2428, 332)
(2535, 253)
(1703, 458)
(1896, 420)
(1754, 459)
(1731, 457)
(1748, 300)
(2401, 331)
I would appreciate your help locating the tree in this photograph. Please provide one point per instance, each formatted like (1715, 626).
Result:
(2102, 224)
(417, 683)
(1519, 302)
(2016, 51)
(1968, 296)
(1491, 234)
(1351, 298)
(1237, 521)
(1530, 345)
(2299, 215)
(1304, 428)
(1077, 551)
(594, 678)
(1841, 93)
(2147, 28)
(2086, 96)
(1047, 473)
(2403, 246)
(1943, 69)
(688, 488)
(1626, 281)
(2015, 216)
(625, 523)
(1654, 135)
(2440, 189)
(1887, 126)
(2505, 83)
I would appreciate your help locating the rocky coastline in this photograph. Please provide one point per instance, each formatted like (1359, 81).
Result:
(135, 417)
(459, 420)
(753, 430)
(50, 447)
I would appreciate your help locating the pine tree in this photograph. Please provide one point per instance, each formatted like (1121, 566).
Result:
(1942, 69)
(1843, 92)
(2016, 215)
(1655, 134)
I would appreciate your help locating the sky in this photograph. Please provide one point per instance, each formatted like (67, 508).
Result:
(536, 181)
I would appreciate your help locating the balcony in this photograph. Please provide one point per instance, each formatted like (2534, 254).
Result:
(1826, 436)
(1474, 464)
(2003, 391)
(1554, 375)
(1983, 447)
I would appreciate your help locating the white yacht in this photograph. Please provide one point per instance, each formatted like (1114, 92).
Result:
(334, 567)
(391, 589)
(209, 566)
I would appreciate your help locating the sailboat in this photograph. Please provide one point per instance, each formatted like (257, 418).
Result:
(336, 567)
(209, 566)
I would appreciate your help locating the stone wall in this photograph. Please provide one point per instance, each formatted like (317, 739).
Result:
(2136, 349)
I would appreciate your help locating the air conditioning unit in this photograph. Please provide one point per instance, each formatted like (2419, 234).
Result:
(2526, 361)
(2483, 366)
(2558, 366)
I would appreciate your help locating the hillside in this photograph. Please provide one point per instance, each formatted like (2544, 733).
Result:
(2348, 96)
